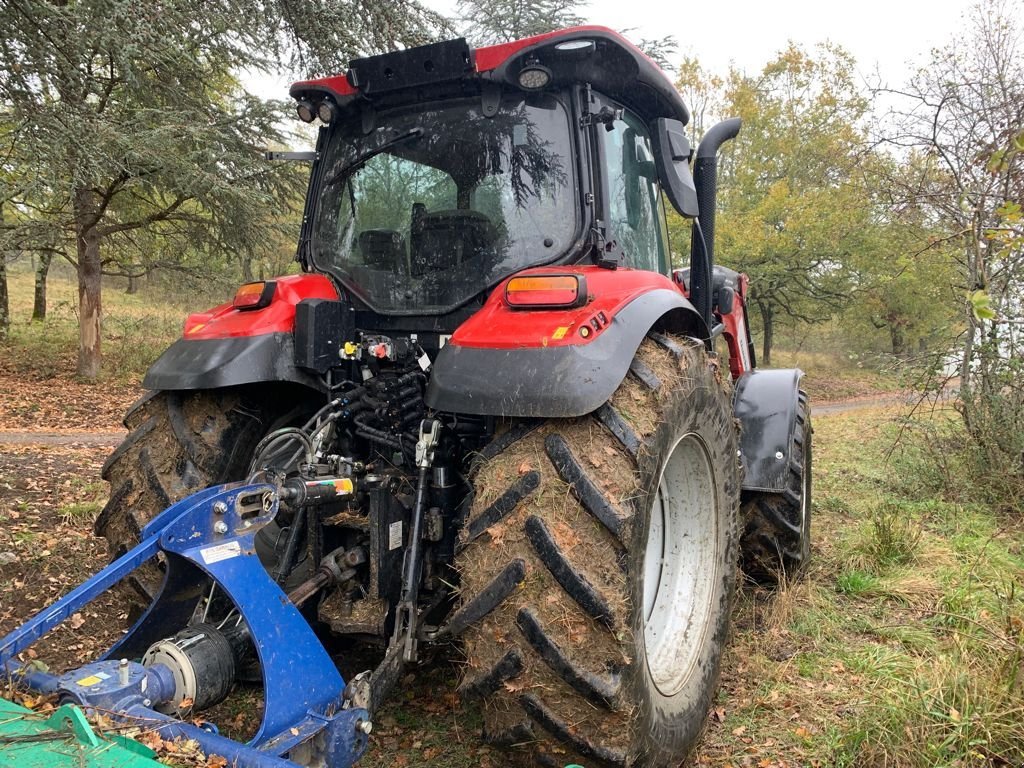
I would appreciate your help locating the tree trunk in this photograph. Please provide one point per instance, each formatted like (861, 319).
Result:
(899, 341)
(89, 283)
(133, 285)
(5, 309)
(42, 270)
(767, 331)
(247, 268)
(5, 312)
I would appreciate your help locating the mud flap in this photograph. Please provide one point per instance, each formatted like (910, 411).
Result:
(765, 403)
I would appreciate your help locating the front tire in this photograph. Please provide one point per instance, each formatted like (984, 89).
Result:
(601, 554)
(776, 542)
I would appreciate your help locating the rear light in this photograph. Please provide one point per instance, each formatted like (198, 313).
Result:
(254, 295)
(545, 291)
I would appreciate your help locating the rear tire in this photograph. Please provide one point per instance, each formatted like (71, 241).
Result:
(178, 443)
(776, 541)
(601, 553)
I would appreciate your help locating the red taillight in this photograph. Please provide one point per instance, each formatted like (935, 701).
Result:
(254, 295)
(545, 291)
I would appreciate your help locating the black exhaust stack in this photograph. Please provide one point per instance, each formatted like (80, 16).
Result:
(702, 248)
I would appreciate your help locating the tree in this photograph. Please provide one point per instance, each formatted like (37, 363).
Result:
(5, 307)
(132, 118)
(903, 281)
(500, 21)
(658, 49)
(793, 214)
(964, 111)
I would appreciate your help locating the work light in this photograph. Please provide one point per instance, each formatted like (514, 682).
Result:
(305, 110)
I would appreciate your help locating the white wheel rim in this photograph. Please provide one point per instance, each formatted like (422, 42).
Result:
(680, 565)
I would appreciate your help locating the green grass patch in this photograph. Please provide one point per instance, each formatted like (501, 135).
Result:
(903, 644)
(79, 514)
(137, 328)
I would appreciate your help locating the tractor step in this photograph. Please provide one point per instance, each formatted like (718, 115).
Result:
(63, 739)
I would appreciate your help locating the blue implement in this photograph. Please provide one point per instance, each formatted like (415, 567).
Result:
(209, 537)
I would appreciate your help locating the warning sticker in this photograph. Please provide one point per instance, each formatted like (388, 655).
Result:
(220, 552)
(85, 682)
(395, 535)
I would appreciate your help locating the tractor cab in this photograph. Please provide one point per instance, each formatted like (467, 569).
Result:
(442, 170)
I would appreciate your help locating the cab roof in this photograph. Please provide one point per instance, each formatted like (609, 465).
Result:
(610, 64)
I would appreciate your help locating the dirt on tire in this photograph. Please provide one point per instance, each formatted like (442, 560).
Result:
(549, 569)
(177, 443)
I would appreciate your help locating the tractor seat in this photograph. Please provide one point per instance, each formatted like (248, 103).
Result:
(382, 249)
(442, 240)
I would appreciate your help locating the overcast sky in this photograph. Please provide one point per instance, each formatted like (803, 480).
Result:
(747, 33)
(883, 35)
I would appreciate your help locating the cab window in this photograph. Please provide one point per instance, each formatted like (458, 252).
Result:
(633, 206)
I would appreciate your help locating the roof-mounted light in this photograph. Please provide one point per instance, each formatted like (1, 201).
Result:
(326, 110)
(578, 47)
(305, 111)
(534, 76)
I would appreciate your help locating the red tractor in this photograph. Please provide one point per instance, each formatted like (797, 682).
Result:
(494, 412)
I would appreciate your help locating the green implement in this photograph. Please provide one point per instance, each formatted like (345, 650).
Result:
(63, 739)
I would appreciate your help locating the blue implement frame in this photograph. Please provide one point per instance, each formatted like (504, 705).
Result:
(209, 537)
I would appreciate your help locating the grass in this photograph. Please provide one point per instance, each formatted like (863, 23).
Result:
(136, 327)
(834, 376)
(903, 644)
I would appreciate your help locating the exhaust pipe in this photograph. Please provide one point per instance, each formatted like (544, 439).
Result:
(702, 242)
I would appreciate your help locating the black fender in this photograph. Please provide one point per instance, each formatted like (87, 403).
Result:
(556, 382)
(765, 403)
(213, 363)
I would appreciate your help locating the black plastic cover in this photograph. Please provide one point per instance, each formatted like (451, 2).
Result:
(765, 402)
(321, 327)
(212, 363)
(550, 382)
(411, 68)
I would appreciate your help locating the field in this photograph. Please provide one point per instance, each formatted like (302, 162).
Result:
(900, 646)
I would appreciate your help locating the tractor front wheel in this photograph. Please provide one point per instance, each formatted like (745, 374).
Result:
(776, 541)
(598, 570)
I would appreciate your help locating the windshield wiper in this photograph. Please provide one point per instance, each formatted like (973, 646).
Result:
(415, 133)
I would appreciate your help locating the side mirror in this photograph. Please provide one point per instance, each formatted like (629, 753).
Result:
(672, 159)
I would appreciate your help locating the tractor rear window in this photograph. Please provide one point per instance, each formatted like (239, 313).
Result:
(438, 203)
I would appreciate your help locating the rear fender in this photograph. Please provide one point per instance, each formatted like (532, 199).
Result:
(556, 363)
(225, 347)
(765, 403)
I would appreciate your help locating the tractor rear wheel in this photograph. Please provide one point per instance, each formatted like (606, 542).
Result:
(598, 570)
(177, 443)
(776, 541)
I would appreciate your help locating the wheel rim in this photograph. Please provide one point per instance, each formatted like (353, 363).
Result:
(680, 565)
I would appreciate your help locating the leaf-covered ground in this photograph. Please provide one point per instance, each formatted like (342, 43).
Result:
(897, 648)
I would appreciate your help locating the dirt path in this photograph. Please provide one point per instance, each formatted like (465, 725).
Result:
(109, 439)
